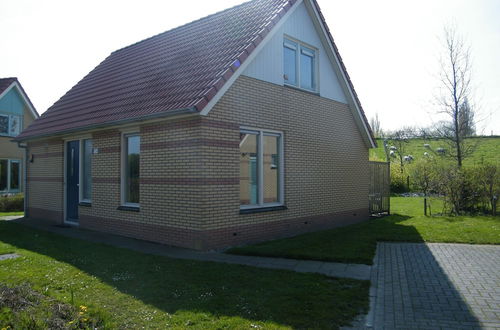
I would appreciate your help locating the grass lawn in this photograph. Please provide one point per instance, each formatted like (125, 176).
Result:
(127, 289)
(4, 214)
(357, 243)
(487, 150)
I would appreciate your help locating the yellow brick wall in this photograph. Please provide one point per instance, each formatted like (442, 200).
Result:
(326, 160)
(190, 168)
(45, 179)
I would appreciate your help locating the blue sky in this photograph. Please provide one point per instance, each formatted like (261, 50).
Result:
(391, 48)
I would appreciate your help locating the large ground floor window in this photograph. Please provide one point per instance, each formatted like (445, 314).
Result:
(261, 168)
(10, 175)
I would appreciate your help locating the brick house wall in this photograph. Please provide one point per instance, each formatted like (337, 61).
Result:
(45, 180)
(326, 164)
(189, 191)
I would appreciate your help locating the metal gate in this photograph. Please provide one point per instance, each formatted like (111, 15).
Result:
(380, 180)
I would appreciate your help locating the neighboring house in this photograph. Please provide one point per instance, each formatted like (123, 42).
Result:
(238, 127)
(16, 113)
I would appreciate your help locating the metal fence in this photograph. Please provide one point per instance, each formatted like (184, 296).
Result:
(380, 180)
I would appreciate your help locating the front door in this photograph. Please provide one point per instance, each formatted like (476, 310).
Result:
(72, 180)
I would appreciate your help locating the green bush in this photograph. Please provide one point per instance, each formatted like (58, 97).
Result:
(12, 203)
(398, 180)
(464, 190)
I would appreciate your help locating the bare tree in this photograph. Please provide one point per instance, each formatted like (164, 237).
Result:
(375, 125)
(455, 97)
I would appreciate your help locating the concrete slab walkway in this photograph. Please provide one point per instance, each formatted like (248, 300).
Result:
(434, 286)
(355, 271)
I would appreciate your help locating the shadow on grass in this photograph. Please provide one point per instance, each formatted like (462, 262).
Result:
(229, 294)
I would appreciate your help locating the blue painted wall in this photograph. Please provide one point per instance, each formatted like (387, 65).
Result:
(12, 103)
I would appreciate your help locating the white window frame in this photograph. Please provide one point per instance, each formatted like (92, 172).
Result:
(9, 166)
(300, 47)
(8, 125)
(260, 167)
(20, 122)
(81, 174)
(125, 134)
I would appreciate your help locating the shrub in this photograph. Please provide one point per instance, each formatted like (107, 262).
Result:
(422, 174)
(12, 203)
(487, 177)
(398, 180)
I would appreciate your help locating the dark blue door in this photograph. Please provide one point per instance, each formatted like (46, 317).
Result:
(72, 180)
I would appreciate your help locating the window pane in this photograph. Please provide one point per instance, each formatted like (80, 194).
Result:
(15, 124)
(87, 170)
(248, 169)
(4, 163)
(132, 169)
(290, 66)
(14, 175)
(4, 125)
(271, 169)
(307, 71)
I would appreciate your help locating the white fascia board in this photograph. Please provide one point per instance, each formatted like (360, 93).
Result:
(249, 60)
(337, 64)
(25, 99)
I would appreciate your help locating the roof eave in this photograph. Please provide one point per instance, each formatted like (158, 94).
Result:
(166, 114)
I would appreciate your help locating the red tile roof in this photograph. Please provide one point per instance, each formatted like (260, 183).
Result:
(179, 69)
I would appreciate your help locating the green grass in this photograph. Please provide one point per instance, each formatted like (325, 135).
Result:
(357, 243)
(487, 150)
(4, 214)
(128, 289)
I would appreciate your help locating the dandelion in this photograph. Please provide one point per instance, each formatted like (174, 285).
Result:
(83, 308)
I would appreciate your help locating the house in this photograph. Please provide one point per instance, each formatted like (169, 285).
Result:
(238, 127)
(16, 113)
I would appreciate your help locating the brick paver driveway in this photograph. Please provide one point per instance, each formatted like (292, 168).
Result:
(433, 286)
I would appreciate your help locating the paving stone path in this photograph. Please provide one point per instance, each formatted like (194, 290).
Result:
(435, 286)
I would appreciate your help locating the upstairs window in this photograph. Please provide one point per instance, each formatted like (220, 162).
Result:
(300, 64)
(10, 125)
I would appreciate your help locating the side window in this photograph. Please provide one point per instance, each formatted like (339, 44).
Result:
(131, 169)
(290, 62)
(10, 175)
(4, 125)
(261, 170)
(86, 170)
(4, 174)
(14, 125)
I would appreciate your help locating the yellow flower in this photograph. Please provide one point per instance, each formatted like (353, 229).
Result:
(83, 308)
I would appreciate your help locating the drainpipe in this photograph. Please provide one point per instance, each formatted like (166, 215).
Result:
(25, 181)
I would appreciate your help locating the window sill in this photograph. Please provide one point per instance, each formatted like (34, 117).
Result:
(129, 208)
(302, 89)
(263, 209)
(86, 204)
